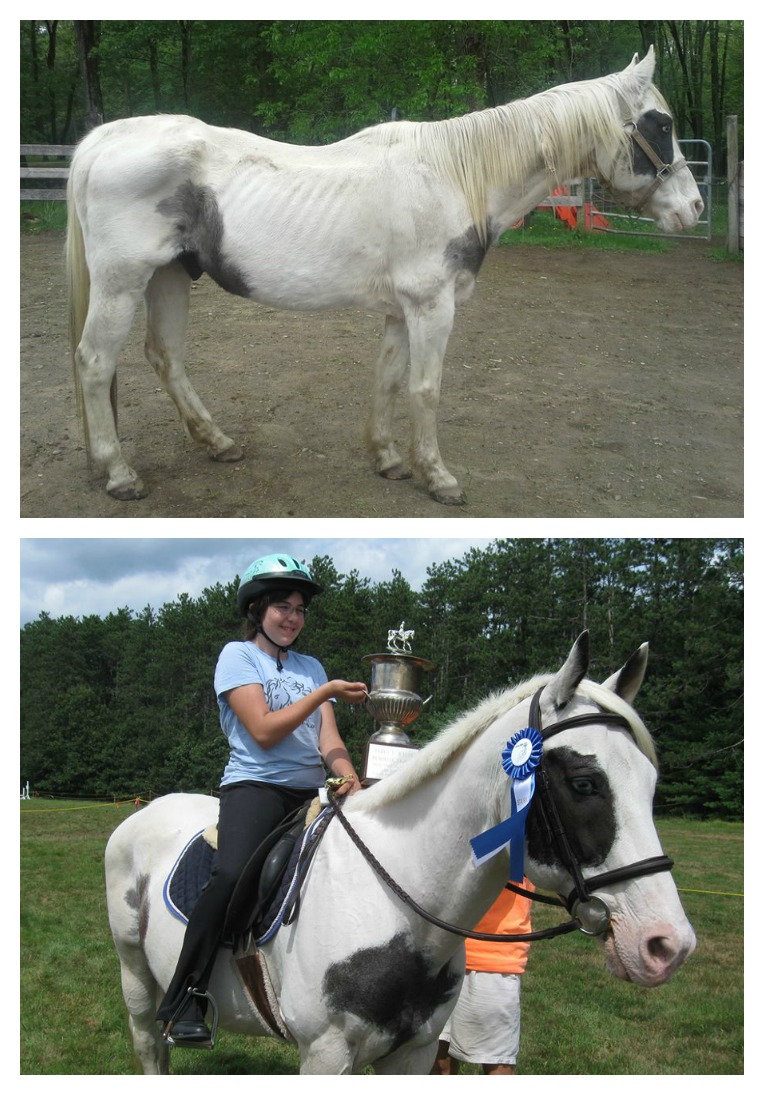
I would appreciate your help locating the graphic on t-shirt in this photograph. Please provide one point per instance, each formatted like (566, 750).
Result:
(282, 691)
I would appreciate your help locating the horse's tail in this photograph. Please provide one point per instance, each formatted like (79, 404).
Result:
(78, 292)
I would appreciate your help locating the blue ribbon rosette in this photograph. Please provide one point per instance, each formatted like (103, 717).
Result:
(519, 759)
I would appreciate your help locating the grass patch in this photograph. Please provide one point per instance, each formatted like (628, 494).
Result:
(692, 1025)
(543, 229)
(577, 1019)
(43, 216)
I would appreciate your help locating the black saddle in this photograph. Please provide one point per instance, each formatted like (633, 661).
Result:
(263, 875)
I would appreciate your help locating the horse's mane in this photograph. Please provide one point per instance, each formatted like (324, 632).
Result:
(458, 735)
(555, 130)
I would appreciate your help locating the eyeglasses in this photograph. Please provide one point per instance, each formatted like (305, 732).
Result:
(286, 611)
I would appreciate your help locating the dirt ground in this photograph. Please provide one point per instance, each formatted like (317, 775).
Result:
(576, 384)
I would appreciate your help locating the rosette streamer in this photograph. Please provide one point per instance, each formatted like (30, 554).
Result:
(519, 759)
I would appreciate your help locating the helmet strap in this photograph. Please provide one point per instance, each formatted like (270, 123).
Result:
(279, 649)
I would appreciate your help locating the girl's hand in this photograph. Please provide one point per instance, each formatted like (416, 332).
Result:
(344, 785)
(350, 691)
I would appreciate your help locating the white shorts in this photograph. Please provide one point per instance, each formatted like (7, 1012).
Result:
(484, 1027)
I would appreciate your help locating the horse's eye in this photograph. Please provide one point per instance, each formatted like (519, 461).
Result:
(584, 785)
(666, 128)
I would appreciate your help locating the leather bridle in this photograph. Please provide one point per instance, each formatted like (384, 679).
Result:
(590, 914)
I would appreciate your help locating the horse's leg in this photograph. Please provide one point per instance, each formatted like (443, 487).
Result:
(129, 913)
(408, 1061)
(166, 321)
(110, 316)
(429, 326)
(327, 1055)
(140, 993)
(392, 365)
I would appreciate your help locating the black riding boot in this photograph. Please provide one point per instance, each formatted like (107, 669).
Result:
(184, 1007)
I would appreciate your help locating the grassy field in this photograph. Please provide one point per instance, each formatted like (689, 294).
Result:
(577, 1019)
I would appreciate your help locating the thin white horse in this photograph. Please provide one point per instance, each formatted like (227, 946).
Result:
(395, 219)
(360, 977)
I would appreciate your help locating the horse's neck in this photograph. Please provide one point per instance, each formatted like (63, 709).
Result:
(423, 840)
(508, 205)
(518, 165)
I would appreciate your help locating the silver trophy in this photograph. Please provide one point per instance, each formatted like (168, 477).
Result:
(393, 702)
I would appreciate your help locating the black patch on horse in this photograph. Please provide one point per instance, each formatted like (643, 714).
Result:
(584, 801)
(199, 226)
(466, 252)
(137, 898)
(390, 986)
(657, 128)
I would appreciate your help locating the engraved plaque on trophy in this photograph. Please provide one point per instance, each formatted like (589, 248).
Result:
(394, 702)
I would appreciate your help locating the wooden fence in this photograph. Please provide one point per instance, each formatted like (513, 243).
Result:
(56, 166)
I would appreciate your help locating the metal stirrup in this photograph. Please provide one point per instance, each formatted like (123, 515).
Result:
(203, 995)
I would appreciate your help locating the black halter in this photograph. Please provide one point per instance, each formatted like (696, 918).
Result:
(592, 912)
(663, 171)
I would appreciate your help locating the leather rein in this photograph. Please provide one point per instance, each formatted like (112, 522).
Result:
(590, 914)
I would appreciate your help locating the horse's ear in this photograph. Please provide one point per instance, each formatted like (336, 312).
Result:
(628, 680)
(638, 77)
(564, 684)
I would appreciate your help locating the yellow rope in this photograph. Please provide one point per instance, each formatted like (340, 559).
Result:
(717, 893)
(92, 806)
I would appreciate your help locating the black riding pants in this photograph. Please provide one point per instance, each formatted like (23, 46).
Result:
(249, 811)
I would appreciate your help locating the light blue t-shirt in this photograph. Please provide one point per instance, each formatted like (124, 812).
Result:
(295, 761)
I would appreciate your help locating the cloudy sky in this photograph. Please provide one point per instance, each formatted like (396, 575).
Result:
(80, 577)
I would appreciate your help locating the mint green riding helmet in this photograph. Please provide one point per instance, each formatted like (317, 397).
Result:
(274, 572)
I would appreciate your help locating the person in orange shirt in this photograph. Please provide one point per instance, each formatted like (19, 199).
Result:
(484, 1028)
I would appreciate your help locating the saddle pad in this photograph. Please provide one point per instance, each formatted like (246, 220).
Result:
(188, 877)
(193, 867)
(192, 870)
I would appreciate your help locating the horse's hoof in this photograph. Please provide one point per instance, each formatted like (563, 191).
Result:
(450, 496)
(229, 455)
(397, 471)
(130, 492)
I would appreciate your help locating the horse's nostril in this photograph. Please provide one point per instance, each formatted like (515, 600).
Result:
(660, 949)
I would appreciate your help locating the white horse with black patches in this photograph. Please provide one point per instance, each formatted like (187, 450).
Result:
(395, 219)
(363, 977)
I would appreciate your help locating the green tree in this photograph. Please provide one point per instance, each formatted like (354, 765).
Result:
(316, 81)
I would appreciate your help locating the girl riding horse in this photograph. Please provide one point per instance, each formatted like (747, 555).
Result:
(276, 709)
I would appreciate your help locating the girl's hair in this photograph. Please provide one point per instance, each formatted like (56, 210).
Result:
(258, 607)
